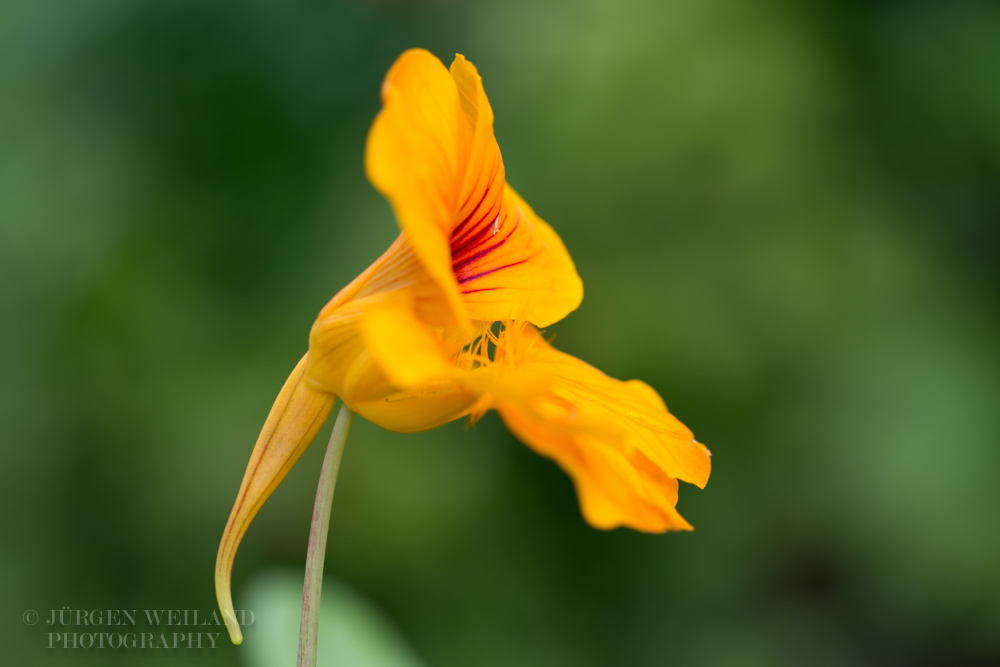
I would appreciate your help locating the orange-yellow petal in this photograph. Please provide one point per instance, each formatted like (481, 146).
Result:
(416, 156)
(482, 183)
(623, 449)
(517, 268)
(406, 350)
(415, 410)
(613, 489)
(297, 415)
(433, 154)
(508, 262)
(415, 359)
(339, 361)
(617, 440)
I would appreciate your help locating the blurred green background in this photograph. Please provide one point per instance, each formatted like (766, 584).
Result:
(787, 219)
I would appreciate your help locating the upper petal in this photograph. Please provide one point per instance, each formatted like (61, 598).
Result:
(516, 268)
(433, 154)
(508, 262)
(416, 156)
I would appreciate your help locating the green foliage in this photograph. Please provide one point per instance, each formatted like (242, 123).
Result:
(351, 631)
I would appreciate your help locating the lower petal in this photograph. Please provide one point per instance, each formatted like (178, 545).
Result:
(415, 360)
(623, 449)
(411, 411)
(613, 491)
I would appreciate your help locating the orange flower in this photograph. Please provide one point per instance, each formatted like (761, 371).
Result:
(413, 342)
(471, 250)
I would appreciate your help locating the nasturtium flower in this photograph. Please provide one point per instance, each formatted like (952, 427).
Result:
(444, 325)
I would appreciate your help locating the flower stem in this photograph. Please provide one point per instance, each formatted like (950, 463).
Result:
(316, 554)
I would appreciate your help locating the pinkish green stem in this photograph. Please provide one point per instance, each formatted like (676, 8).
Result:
(316, 554)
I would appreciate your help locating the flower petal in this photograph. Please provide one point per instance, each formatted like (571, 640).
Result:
(433, 154)
(482, 182)
(402, 346)
(414, 359)
(623, 449)
(297, 415)
(518, 269)
(613, 490)
(415, 410)
(616, 439)
(509, 264)
(339, 361)
(416, 156)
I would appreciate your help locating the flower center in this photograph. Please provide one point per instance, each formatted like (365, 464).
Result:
(501, 342)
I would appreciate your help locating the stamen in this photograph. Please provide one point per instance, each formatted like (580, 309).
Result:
(486, 349)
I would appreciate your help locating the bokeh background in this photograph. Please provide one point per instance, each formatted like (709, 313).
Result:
(787, 219)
